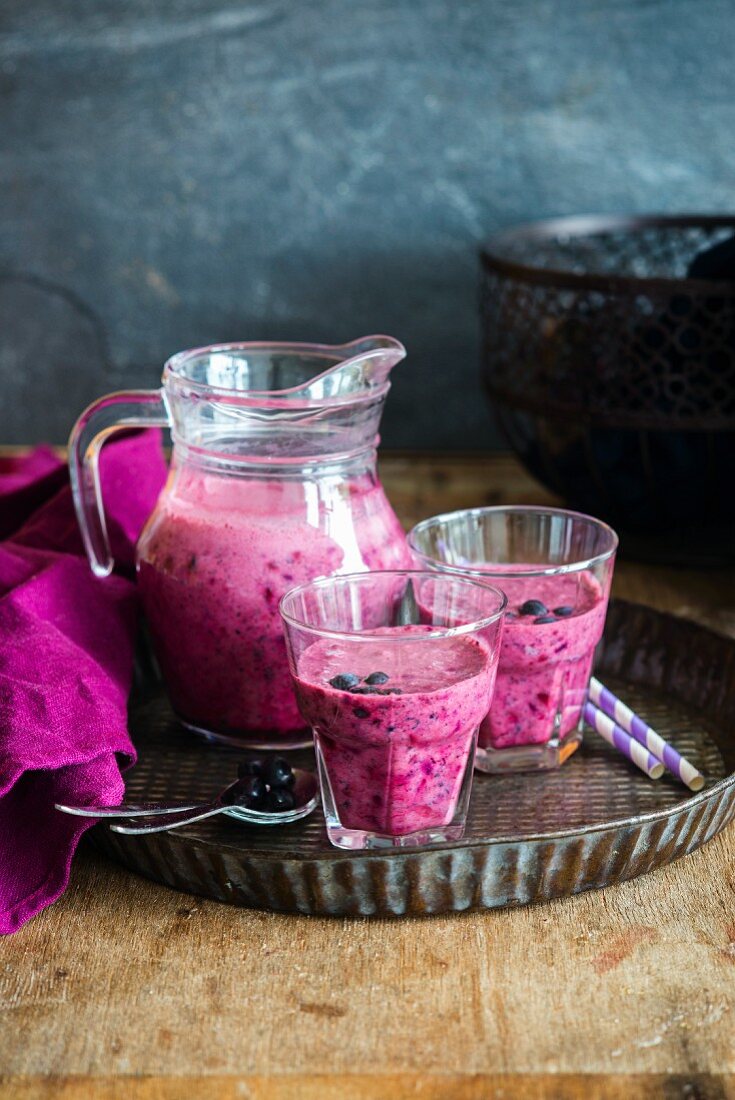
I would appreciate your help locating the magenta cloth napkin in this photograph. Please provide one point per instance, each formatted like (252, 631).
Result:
(66, 659)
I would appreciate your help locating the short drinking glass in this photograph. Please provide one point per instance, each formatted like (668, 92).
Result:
(394, 672)
(555, 567)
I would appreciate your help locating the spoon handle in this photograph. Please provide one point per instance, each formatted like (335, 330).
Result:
(168, 821)
(132, 809)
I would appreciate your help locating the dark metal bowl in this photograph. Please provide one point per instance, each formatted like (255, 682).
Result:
(613, 374)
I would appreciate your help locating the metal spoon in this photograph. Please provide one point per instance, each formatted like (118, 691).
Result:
(130, 809)
(169, 815)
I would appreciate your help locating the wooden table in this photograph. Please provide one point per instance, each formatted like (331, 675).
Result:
(127, 990)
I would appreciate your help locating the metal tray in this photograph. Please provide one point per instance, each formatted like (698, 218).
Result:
(530, 838)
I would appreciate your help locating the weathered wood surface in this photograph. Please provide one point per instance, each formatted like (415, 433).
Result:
(124, 989)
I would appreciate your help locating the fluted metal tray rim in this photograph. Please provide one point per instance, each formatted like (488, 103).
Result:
(687, 806)
(683, 662)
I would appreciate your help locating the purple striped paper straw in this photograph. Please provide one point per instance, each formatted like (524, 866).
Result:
(603, 698)
(622, 741)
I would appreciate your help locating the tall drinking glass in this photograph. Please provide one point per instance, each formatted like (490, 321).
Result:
(394, 672)
(556, 568)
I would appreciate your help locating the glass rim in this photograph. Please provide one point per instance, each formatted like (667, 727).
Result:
(371, 635)
(501, 569)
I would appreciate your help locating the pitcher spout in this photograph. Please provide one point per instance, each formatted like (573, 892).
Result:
(374, 356)
(362, 367)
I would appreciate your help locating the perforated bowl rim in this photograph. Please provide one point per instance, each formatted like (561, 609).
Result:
(494, 258)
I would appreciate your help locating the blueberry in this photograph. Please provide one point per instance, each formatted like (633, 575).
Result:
(360, 712)
(345, 681)
(564, 611)
(532, 607)
(377, 678)
(249, 767)
(278, 773)
(280, 799)
(545, 619)
(249, 792)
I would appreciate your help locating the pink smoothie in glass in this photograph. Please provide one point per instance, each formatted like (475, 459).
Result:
(214, 560)
(396, 762)
(545, 657)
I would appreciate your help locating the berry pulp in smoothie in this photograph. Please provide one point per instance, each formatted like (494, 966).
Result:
(552, 626)
(396, 752)
(213, 561)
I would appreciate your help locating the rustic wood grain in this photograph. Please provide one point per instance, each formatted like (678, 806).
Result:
(126, 989)
(378, 1087)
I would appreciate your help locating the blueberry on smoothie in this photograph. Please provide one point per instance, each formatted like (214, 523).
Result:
(345, 681)
(533, 607)
(377, 678)
(565, 611)
(545, 619)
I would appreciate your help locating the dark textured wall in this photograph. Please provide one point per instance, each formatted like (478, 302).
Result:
(185, 171)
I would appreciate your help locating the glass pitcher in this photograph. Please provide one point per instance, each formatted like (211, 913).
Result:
(272, 482)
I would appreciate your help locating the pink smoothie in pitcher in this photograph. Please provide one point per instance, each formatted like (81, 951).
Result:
(213, 562)
(552, 627)
(396, 753)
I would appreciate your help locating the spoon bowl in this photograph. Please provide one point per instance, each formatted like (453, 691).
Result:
(306, 798)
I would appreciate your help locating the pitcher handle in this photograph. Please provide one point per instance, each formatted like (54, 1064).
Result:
(116, 411)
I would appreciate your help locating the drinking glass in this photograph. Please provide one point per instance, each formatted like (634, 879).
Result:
(555, 567)
(394, 672)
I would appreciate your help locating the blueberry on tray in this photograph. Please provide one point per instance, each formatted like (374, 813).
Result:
(249, 767)
(279, 799)
(249, 791)
(264, 784)
(278, 773)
